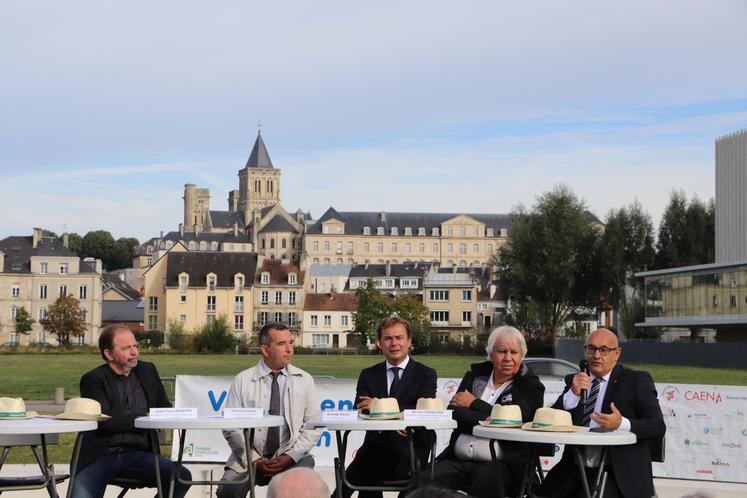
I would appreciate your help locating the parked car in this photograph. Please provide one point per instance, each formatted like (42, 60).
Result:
(550, 368)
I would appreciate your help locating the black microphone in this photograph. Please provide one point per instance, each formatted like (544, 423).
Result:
(583, 365)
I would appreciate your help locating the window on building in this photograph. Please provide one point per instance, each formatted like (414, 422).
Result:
(15, 290)
(439, 295)
(278, 297)
(43, 291)
(421, 247)
(192, 246)
(366, 247)
(278, 316)
(350, 247)
(13, 338)
(466, 317)
(42, 313)
(211, 303)
(238, 322)
(238, 303)
(183, 318)
(264, 297)
(409, 283)
(314, 319)
(449, 230)
(466, 295)
(490, 249)
(338, 247)
(83, 314)
(83, 292)
(152, 322)
(153, 303)
(264, 317)
(292, 279)
(238, 282)
(394, 247)
(292, 297)
(475, 249)
(393, 231)
(435, 247)
(489, 232)
(387, 283)
(462, 248)
(327, 261)
(440, 316)
(272, 243)
(183, 282)
(43, 268)
(380, 247)
(408, 247)
(63, 269)
(320, 340)
(62, 291)
(210, 319)
(326, 245)
(292, 320)
(462, 231)
(366, 230)
(264, 244)
(41, 337)
(379, 230)
(408, 231)
(344, 320)
(327, 320)
(13, 313)
(475, 231)
(316, 261)
(265, 278)
(450, 248)
(503, 232)
(183, 299)
(733, 301)
(16, 267)
(203, 245)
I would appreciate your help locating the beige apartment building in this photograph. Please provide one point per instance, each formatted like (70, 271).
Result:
(327, 319)
(451, 296)
(355, 237)
(278, 295)
(194, 288)
(34, 272)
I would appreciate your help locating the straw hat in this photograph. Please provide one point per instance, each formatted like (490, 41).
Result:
(83, 409)
(14, 409)
(551, 420)
(382, 409)
(430, 404)
(503, 416)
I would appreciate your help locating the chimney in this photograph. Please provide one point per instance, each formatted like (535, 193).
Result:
(416, 266)
(453, 268)
(365, 267)
(65, 240)
(36, 237)
(196, 229)
(235, 229)
(99, 267)
(388, 268)
(382, 217)
(436, 265)
(181, 229)
(161, 233)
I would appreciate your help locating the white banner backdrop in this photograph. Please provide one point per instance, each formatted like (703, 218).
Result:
(706, 426)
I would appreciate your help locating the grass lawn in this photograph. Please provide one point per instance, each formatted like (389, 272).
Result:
(35, 376)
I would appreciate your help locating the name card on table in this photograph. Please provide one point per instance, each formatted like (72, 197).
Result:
(159, 413)
(243, 413)
(427, 415)
(339, 415)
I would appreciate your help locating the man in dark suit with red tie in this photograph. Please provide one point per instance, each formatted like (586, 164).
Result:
(610, 398)
(385, 455)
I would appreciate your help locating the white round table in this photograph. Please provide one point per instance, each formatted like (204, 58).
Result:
(43, 426)
(343, 428)
(247, 425)
(571, 439)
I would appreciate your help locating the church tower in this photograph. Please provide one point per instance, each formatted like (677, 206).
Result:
(259, 181)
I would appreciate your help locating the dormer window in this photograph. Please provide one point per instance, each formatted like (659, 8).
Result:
(238, 282)
(503, 232)
(203, 245)
(192, 245)
(393, 231)
(63, 268)
(292, 279)
(366, 230)
(339, 229)
(489, 232)
(213, 246)
(211, 281)
(434, 232)
(325, 228)
(421, 231)
(380, 231)
(183, 282)
(408, 231)
(265, 278)
(148, 250)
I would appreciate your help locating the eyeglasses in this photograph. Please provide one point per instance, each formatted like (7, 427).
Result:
(604, 350)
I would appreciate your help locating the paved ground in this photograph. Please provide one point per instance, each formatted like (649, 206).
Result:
(666, 488)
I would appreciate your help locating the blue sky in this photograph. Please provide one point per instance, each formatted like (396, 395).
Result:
(109, 107)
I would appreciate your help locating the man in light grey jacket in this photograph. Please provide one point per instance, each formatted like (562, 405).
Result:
(280, 389)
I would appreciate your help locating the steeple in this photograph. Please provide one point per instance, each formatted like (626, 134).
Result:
(259, 158)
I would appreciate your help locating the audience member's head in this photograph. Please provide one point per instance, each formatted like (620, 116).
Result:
(699, 494)
(298, 482)
(431, 491)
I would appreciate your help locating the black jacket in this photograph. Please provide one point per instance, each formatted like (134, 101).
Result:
(417, 381)
(526, 390)
(99, 384)
(634, 395)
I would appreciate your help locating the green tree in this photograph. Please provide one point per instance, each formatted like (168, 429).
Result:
(549, 259)
(372, 308)
(686, 233)
(23, 321)
(74, 243)
(64, 319)
(215, 337)
(627, 247)
(411, 308)
(177, 338)
(123, 253)
(98, 244)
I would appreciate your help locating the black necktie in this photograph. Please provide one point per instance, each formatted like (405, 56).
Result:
(591, 402)
(273, 433)
(395, 380)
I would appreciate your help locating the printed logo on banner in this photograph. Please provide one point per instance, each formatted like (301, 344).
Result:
(450, 388)
(701, 416)
(732, 397)
(703, 396)
(669, 413)
(694, 442)
(720, 463)
(670, 393)
(713, 431)
(704, 471)
(189, 449)
(732, 445)
(217, 402)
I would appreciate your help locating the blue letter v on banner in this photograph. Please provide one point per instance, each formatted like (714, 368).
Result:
(216, 404)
